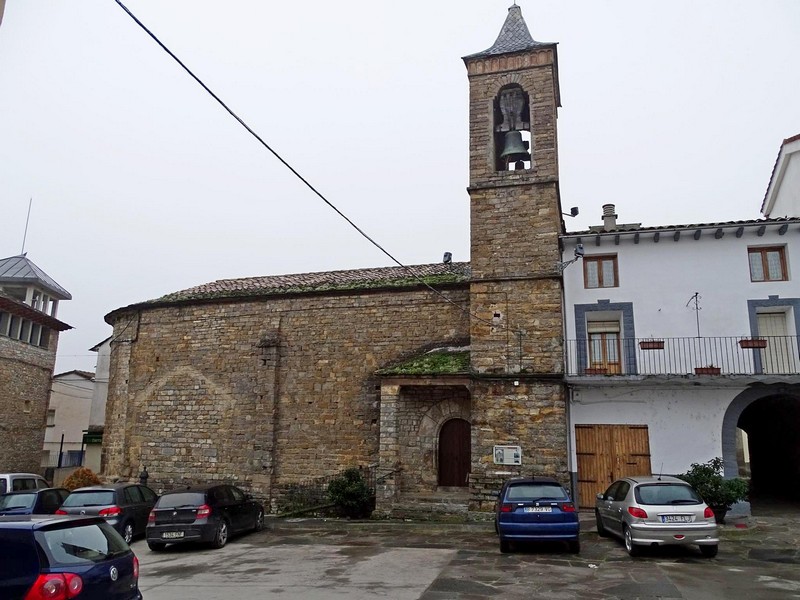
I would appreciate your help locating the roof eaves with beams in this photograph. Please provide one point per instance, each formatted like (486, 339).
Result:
(783, 223)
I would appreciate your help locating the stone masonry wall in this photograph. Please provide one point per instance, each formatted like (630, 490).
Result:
(25, 375)
(530, 414)
(195, 393)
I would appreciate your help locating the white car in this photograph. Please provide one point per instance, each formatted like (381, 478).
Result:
(19, 482)
(655, 511)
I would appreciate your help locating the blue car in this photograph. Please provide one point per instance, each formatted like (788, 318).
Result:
(43, 556)
(536, 509)
(33, 502)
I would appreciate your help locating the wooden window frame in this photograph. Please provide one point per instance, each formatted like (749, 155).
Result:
(762, 251)
(598, 260)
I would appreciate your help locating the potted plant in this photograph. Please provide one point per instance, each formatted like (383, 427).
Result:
(753, 343)
(719, 493)
(708, 370)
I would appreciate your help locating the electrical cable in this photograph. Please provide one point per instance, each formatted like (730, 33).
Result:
(409, 270)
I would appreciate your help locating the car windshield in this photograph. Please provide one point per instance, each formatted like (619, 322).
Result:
(535, 491)
(90, 498)
(84, 544)
(17, 501)
(181, 500)
(666, 493)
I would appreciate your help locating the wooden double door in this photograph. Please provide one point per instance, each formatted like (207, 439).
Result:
(606, 453)
(455, 456)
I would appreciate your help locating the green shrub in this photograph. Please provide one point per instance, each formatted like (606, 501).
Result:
(710, 483)
(351, 494)
(81, 477)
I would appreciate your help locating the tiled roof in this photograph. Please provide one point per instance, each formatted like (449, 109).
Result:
(753, 222)
(20, 269)
(358, 279)
(514, 37)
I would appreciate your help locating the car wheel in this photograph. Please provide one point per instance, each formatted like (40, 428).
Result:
(505, 546)
(633, 549)
(259, 521)
(155, 546)
(601, 529)
(221, 536)
(575, 547)
(127, 533)
(709, 551)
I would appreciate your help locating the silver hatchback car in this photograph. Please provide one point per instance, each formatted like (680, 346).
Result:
(654, 511)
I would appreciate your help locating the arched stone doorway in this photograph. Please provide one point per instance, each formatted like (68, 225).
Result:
(770, 416)
(455, 455)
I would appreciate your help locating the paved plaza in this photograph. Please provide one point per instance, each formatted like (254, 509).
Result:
(319, 559)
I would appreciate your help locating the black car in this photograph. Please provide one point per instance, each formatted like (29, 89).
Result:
(210, 513)
(125, 506)
(33, 502)
(48, 556)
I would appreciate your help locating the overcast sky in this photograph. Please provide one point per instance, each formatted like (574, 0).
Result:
(142, 185)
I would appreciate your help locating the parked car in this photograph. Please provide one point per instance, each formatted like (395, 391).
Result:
(125, 506)
(655, 511)
(536, 509)
(210, 513)
(33, 502)
(44, 556)
(17, 482)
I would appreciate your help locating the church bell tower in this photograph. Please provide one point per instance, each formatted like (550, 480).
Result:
(516, 322)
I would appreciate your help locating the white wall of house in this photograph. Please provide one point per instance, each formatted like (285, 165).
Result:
(660, 278)
(71, 401)
(684, 422)
(783, 194)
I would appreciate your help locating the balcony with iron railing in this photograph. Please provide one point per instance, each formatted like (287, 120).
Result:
(612, 356)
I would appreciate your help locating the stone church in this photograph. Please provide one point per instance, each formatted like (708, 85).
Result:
(447, 378)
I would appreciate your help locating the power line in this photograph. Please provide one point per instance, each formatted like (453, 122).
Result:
(409, 270)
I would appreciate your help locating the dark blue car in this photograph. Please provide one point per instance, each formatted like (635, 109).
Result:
(57, 557)
(536, 509)
(33, 502)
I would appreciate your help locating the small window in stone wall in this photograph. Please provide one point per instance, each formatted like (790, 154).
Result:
(26, 407)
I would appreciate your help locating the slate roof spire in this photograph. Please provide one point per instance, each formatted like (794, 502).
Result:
(514, 36)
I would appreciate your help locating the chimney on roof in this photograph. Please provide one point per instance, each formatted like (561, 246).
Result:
(609, 217)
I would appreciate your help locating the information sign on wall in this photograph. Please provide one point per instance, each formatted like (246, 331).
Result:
(508, 455)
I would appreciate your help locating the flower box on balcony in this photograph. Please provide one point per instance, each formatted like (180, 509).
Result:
(707, 370)
(651, 344)
(753, 343)
(596, 371)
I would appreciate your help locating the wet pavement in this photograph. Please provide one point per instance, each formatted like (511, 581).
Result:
(317, 558)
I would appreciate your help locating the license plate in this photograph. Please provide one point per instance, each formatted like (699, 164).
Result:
(538, 509)
(171, 535)
(676, 518)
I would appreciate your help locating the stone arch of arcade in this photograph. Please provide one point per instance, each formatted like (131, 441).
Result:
(770, 416)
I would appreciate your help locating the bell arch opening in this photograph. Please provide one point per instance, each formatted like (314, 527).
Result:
(512, 129)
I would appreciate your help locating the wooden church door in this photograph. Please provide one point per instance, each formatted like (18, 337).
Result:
(455, 455)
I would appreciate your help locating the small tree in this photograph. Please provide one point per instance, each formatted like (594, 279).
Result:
(351, 494)
(719, 493)
(81, 477)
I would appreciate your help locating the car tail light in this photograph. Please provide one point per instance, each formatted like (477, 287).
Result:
(111, 511)
(135, 568)
(506, 508)
(55, 586)
(568, 507)
(203, 511)
(637, 512)
(151, 518)
(61, 512)
(708, 513)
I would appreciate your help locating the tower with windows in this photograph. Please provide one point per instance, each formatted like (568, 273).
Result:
(28, 340)
(516, 330)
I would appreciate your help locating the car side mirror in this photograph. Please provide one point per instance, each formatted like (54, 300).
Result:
(600, 496)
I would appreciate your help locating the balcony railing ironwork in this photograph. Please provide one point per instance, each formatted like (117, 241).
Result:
(768, 355)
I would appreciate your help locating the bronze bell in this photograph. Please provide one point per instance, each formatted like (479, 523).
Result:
(515, 149)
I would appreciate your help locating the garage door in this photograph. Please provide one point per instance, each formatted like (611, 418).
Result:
(606, 453)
